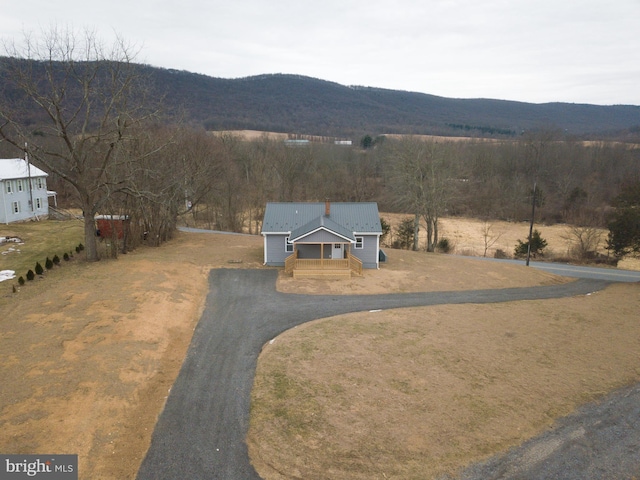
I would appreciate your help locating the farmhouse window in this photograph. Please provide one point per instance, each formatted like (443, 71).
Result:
(39, 203)
(359, 242)
(8, 186)
(19, 183)
(288, 246)
(15, 206)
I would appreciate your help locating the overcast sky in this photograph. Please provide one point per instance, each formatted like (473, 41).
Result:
(580, 51)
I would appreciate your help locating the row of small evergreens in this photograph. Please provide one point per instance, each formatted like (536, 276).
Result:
(48, 265)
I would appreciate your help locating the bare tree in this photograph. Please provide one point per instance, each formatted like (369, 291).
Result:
(489, 236)
(88, 101)
(585, 241)
(421, 182)
(292, 166)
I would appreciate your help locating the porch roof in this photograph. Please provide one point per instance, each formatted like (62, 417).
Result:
(321, 223)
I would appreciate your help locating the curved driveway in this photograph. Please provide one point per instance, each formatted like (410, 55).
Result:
(201, 432)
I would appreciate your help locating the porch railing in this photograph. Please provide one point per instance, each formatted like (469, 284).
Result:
(352, 263)
(290, 262)
(355, 264)
(319, 264)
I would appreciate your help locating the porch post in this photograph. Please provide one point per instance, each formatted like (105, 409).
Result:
(322, 255)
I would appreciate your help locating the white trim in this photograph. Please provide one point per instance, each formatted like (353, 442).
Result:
(297, 240)
(264, 247)
(288, 243)
(361, 237)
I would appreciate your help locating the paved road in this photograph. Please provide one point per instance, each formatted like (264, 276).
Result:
(599, 273)
(575, 271)
(201, 432)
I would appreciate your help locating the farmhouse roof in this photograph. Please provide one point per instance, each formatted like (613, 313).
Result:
(12, 168)
(352, 217)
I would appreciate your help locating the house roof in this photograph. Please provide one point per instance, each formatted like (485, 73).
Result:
(12, 168)
(319, 223)
(352, 217)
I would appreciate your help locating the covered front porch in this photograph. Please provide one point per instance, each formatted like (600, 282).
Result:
(322, 260)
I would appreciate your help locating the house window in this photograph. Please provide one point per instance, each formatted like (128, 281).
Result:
(39, 183)
(288, 246)
(8, 187)
(15, 206)
(359, 242)
(39, 203)
(19, 185)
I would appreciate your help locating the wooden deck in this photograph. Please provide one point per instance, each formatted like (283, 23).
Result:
(322, 273)
(322, 268)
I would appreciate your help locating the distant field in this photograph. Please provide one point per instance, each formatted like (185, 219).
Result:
(256, 134)
(467, 237)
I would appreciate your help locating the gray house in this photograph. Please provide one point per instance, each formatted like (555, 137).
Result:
(311, 239)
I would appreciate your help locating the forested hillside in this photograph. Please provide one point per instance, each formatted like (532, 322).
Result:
(303, 105)
(291, 103)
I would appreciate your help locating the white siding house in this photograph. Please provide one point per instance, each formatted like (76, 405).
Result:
(23, 191)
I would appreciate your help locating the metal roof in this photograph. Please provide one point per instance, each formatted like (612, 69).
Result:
(319, 223)
(12, 168)
(354, 217)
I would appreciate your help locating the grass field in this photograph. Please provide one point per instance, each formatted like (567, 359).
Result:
(420, 393)
(39, 240)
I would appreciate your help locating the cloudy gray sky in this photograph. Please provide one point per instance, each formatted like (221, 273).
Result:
(581, 51)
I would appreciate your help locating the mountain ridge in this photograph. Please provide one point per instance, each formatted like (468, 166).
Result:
(302, 104)
(293, 103)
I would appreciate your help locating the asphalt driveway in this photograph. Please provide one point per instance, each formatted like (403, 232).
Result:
(201, 431)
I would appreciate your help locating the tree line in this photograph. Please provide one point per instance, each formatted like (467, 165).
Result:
(109, 149)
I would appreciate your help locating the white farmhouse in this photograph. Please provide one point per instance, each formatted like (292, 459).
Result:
(23, 191)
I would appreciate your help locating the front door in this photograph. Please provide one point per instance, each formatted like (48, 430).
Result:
(336, 251)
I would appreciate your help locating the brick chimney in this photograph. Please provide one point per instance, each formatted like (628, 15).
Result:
(327, 208)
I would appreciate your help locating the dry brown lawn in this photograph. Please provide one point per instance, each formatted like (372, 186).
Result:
(418, 393)
(90, 352)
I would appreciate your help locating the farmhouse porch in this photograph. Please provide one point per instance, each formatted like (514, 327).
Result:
(323, 267)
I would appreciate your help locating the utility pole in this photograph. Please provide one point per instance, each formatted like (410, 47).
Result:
(26, 159)
(533, 212)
